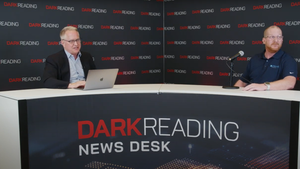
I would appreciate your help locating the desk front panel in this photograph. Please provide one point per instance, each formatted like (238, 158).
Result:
(144, 131)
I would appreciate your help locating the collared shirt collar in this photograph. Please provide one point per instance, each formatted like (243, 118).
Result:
(69, 54)
(277, 55)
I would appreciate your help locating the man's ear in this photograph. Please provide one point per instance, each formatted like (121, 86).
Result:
(263, 40)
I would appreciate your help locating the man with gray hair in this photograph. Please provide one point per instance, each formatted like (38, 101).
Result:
(69, 67)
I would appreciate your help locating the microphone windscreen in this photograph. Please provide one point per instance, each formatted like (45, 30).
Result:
(241, 53)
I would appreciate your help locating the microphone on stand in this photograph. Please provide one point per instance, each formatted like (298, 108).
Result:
(240, 53)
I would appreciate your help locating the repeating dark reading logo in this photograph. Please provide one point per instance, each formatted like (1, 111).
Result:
(203, 72)
(60, 8)
(44, 25)
(25, 79)
(131, 72)
(151, 71)
(23, 43)
(268, 6)
(151, 13)
(124, 12)
(233, 9)
(287, 23)
(9, 24)
(80, 26)
(203, 11)
(21, 5)
(94, 10)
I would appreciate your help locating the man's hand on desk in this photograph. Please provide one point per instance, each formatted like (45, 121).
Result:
(255, 87)
(77, 84)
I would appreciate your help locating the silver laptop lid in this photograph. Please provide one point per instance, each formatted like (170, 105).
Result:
(101, 78)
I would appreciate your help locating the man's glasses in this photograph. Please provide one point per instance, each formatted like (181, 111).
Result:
(73, 41)
(274, 37)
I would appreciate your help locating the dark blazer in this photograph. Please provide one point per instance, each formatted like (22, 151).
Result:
(57, 69)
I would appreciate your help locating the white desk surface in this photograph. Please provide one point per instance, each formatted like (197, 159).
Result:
(288, 95)
(48, 93)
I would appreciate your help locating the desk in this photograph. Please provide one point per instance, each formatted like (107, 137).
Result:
(148, 126)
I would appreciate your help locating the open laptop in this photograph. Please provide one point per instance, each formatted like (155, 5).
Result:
(101, 79)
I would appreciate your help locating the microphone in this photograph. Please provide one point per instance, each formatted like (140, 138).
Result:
(241, 53)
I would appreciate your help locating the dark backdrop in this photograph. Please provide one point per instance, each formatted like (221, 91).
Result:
(176, 41)
(118, 33)
(202, 35)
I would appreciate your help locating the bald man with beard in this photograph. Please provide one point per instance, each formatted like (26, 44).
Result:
(273, 69)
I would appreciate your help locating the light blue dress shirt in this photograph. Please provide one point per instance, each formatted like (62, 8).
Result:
(76, 70)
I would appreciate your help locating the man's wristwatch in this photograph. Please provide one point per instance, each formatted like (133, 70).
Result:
(268, 85)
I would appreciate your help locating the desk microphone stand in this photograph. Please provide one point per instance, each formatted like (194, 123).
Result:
(231, 78)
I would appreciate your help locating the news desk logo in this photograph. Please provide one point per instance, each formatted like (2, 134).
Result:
(22, 43)
(140, 28)
(287, 23)
(25, 79)
(21, 5)
(44, 25)
(151, 13)
(112, 27)
(9, 24)
(252, 25)
(268, 6)
(203, 72)
(151, 43)
(191, 27)
(93, 10)
(177, 13)
(80, 26)
(150, 128)
(127, 73)
(203, 11)
(178, 71)
(113, 58)
(176, 42)
(233, 9)
(60, 8)
(125, 43)
(53, 43)
(203, 42)
(233, 42)
(191, 57)
(151, 71)
(10, 61)
(94, 43)
(295, 4)
(219, 26)
(37, 60)
(124, 12)
(142, 57)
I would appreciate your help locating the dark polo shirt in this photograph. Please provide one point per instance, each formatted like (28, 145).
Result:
(260, 69)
